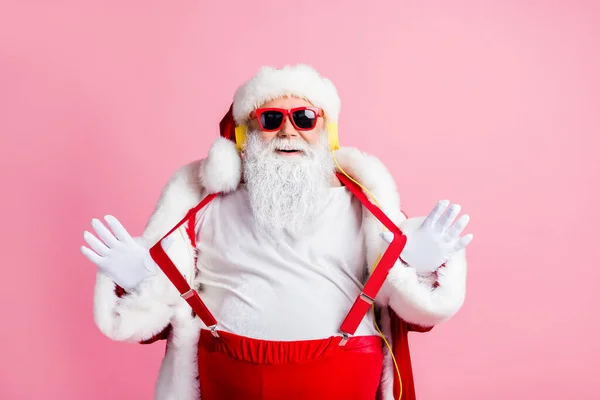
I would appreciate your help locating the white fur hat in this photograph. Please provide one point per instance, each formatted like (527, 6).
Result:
(300, 81)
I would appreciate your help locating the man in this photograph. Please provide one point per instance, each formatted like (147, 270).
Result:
(282, 236)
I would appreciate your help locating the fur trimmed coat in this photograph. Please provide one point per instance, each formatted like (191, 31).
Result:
(155, 310)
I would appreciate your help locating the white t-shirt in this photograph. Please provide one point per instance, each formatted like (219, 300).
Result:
(281, 288)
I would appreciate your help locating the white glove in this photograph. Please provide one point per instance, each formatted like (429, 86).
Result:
(121, 258)
(436, 240)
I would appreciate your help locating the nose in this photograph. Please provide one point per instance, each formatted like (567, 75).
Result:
(288, 130)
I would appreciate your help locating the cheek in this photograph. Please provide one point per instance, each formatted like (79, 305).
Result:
(267, 136)
(312, 137)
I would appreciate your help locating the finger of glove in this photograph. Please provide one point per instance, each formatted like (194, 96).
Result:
(96, 244)
(104, 234)
(118, 229)
(455, 230)
(435, 213)
(463, 242)
(92, 256)
(448, 217)
(387, 236)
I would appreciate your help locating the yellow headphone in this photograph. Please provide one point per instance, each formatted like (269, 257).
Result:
(332, 134)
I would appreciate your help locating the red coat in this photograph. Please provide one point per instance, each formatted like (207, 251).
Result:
(400, 346)
(146, 315)
(399, 329)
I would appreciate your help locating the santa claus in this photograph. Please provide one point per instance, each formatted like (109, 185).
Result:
(280, 266)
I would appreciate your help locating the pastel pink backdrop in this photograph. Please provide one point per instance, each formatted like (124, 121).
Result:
(494, 105)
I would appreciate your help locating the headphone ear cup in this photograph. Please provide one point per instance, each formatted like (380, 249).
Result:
(240, 137)
(332, 133)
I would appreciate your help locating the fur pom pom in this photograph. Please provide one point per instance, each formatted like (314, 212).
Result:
(221, 171)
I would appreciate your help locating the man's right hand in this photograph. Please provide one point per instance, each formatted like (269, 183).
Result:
(119, 256)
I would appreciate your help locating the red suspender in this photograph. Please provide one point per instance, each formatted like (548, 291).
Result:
(161, 258)
(367, 297)
(362, 303)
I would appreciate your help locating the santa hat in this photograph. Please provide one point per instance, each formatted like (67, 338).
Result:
(270, 83)
(300, 81)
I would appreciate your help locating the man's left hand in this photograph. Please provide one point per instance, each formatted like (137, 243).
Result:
(436, 239)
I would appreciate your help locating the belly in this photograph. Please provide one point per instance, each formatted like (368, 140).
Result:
(275, 310)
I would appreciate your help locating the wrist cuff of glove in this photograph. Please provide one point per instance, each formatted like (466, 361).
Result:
(149, 264)
(422, 274)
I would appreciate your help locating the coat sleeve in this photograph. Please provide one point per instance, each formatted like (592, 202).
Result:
(425, 302)
(145, 312)
(137, 316)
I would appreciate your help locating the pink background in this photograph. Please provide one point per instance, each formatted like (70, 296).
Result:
(494, 105)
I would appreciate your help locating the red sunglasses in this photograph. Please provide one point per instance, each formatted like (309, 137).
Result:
(272, 119)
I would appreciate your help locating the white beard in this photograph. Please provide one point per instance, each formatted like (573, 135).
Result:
(284, 191)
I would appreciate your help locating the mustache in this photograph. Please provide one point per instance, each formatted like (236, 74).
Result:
(289, 144)
(277, 143)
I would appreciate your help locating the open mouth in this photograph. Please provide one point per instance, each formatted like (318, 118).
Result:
(287, 151)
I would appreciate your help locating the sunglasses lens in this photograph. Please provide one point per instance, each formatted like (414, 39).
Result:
(271, 120)
(305, 119)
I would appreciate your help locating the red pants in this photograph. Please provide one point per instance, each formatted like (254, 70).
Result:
(235, 367)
